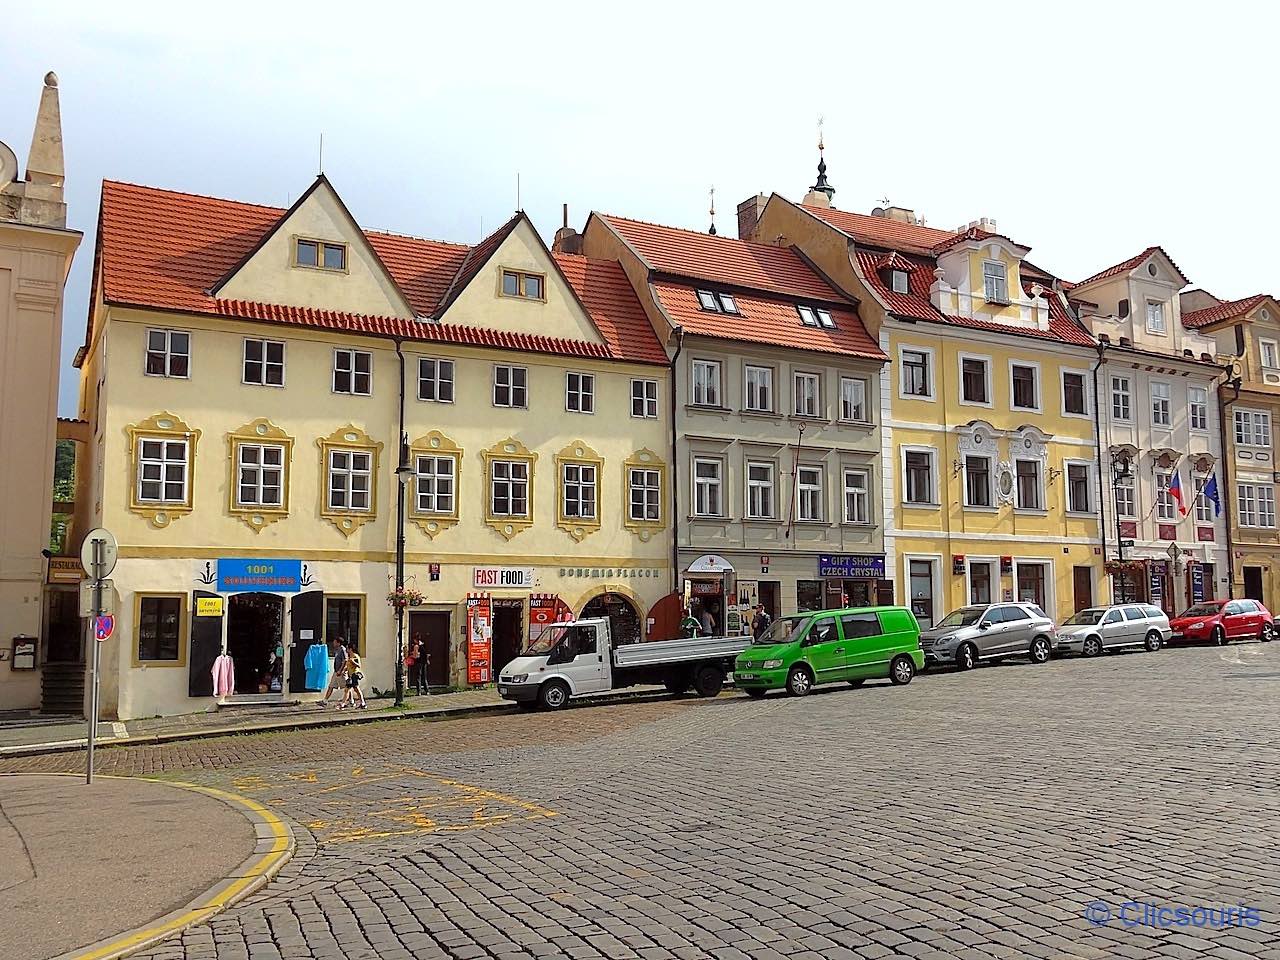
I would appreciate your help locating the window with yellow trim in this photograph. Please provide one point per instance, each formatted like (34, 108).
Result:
(160, 628)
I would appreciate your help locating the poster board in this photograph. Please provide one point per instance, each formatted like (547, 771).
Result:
(479, 638)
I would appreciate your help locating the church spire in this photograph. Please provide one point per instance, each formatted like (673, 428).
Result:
(712, 231)
(822, 192)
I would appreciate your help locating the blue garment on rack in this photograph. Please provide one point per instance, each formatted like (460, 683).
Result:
(318, 667)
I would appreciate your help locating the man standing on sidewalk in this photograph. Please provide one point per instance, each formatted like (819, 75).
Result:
(338, 677)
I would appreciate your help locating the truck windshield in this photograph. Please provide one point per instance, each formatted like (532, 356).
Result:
(782, 630)
(543, 645)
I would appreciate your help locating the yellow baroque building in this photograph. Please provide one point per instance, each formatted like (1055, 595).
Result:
(990, 461)
(252, 379)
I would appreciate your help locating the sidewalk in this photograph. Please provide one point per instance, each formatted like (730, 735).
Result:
(119, 863)
(29, 736)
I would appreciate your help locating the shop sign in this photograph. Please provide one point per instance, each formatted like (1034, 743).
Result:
(704, 588)
(1197, 582)
(505, 578)
(612, 573)
(479, 639)
(710, 563)
(23, 653)
(1155, 581)
(957, 564)
(209, 606)
(65, 570)
(851, 566)
(249, 575)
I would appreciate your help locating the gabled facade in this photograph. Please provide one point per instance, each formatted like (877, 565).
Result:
(990, 485)
(249, 376)
(1247, 333)
(1160, 434)
(776, 431)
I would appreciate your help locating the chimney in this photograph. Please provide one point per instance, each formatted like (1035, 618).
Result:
(567, 239)
(901, 214)
(749, 211)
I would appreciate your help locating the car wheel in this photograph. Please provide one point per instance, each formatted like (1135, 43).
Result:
(966, 657)
(553, 694)
(1153, 642)
(857, 683)
(902, 670)
(1040, 650)
(1219, 637)
(1092, 647)
(799, 681)
(755, 693)
(1267, 633)
(708, 681)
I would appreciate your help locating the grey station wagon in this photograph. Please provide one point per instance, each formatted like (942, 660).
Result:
(1096, 629)
(990, 631)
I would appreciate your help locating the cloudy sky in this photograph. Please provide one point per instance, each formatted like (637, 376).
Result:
(1087, 130)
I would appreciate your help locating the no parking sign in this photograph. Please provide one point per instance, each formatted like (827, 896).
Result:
(104, 626)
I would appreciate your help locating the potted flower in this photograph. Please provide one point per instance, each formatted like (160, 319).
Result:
(402, 597)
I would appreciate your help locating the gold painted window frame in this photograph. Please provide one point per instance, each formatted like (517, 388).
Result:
(435, 444)
(645, 459)
(579, 454)
(162, 426)
(350, 438)
(184, 624)
(264, 433)
(509, 449)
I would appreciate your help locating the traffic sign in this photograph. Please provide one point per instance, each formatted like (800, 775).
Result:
(1127, 543)
(104, 626)
(108, 598)
(98, 553)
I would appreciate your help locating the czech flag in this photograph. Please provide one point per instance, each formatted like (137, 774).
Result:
(1175, 491)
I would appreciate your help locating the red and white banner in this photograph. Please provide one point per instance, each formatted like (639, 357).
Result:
(479, 638)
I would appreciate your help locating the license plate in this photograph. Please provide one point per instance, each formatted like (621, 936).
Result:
(746, 676)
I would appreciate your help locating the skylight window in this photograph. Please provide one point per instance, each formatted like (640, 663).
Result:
(824, 318)
(728, 304)
(715, 302)
(707, 300)
(815, 317)
(807, 316)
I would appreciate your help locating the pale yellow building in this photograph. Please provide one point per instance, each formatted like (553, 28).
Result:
(243, 381)
(35, 255)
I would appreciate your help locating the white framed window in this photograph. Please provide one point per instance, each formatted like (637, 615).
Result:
(578, 485)
(975, 380)
(350, 479)
(1079, 488)
(760, 490)
(995, 281)
(857, 496)
(1029, 484)
(706, 383)
(509, 488)
(644, 399)
(580, 392)
(264, 362)
(758, 389)
(1161, 404)
(815, 316)
(716, 302)
(807, 399)
(1198, 408)
(1024, 385)
(1121, 399)
(977, 481)
(708, 487)
(1257, 504)
(435, 380)
(162, 470)
(353, 372)
(853, 400)
(259, 474)
(1126, 508)
(645, 488)
(1269, 354)
(899, 281)
(1166, 507)
(919, 475)
(1075, 393)
(1203, 507)
(916, 373)
(168, 354)
(1155, 317)
(320, 254)
(1253, 427)
(435, 484)
(510, 386)
(809, 493)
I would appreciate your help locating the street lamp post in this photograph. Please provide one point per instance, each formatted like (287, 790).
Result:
(1121, 469)
(402, 476)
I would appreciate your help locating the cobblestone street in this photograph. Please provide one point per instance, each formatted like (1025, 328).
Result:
(964, 816)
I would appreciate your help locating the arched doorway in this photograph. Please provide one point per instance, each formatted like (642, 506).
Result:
(255, 624)
(624, 621)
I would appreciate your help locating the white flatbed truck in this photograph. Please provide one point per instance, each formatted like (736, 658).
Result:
(578, 659)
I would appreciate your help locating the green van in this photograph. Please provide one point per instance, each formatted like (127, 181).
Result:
(861, 643)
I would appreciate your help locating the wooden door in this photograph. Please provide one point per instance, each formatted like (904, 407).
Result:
(1082, 587)
(433, 627)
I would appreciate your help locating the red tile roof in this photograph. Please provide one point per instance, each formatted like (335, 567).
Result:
(741, 263)
(1130, 264)
(165, 250)
(1222, 311)
(883, 232)
(893, 260)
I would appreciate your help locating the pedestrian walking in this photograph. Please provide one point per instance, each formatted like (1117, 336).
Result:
(355, 675)
(417, 664)
(761, 622)
(338, 679)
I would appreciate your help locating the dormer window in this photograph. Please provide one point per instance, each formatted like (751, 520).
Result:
(526, 286)
(1155, 317)
(815, 317)
(995, 281)
(898, 280)
(320, 254)
(714, 302)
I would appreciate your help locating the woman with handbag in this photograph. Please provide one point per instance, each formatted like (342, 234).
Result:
(416, 663)
(354, 676)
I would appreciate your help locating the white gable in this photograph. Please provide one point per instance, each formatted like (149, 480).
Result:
(480, 303)
(270, 276)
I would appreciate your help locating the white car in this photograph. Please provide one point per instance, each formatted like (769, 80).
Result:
(1097, 629)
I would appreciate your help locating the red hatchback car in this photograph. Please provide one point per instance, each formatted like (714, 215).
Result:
(1221, 621)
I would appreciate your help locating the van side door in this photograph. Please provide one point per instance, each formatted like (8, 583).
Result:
(579, 658)
(824, 649)
(865, 646)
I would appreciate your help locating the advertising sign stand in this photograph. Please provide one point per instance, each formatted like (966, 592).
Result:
(98, 554)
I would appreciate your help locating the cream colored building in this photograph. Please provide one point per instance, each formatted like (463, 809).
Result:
(243, 381)
(35, 255)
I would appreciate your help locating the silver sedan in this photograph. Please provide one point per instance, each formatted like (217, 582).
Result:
(1097, 629)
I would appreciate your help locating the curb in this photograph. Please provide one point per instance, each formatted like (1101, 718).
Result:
(305, 723)
(274, 848)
